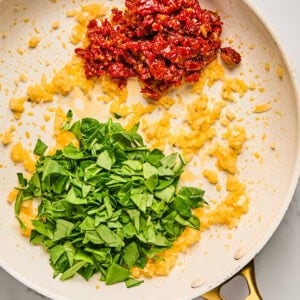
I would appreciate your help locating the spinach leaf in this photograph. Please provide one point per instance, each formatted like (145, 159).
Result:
(131, 282)
(63, 229)
(116, 273)
(72, 270)
(131, 254)
(40, 147)
(109, 205)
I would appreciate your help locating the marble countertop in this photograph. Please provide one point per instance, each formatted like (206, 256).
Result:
(278, 264)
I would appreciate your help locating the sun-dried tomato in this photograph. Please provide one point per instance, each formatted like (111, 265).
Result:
(161, 42)
(230, 56)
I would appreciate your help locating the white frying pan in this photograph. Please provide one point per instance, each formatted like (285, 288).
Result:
(271, 180)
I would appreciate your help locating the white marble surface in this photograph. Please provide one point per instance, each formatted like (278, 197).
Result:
(278, 264)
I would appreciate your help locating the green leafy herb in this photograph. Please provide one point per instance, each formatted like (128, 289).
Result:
(40, 148)
(131, 282)
(116, 273)
(108, 206)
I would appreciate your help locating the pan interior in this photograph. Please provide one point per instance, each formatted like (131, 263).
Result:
(268, 164)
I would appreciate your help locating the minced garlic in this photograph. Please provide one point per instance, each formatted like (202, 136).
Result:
(87, 12)
(23, 77)
(273, 146)
(27, 214)
(280, 72)
(7, 136)
(59, 119)
(261, 108)
(267, 66)
(212, 73)
(17, 106)
(71, 75)
(230, 115)
(34, 41)
(236, 136)
(20, 155)
(210, 175)
(12, 196)
(55, 25)
(137, 111)
(46, 117)
(233, 85)
(157, 133)
(226, 158)
(20, 51)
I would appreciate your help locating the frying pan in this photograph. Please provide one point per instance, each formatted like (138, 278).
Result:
(270, 177)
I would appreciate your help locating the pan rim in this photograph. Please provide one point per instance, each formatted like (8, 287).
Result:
(290, 191)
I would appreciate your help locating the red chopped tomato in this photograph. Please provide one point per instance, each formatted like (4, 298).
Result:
(161, 42)
(230, 56)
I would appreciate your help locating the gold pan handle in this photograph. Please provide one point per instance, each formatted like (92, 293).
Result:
(248, 273)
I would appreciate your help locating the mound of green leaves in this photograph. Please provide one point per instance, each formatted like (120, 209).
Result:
(108, 206)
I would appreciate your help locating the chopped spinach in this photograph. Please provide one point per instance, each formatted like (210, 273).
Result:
(108, 206)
